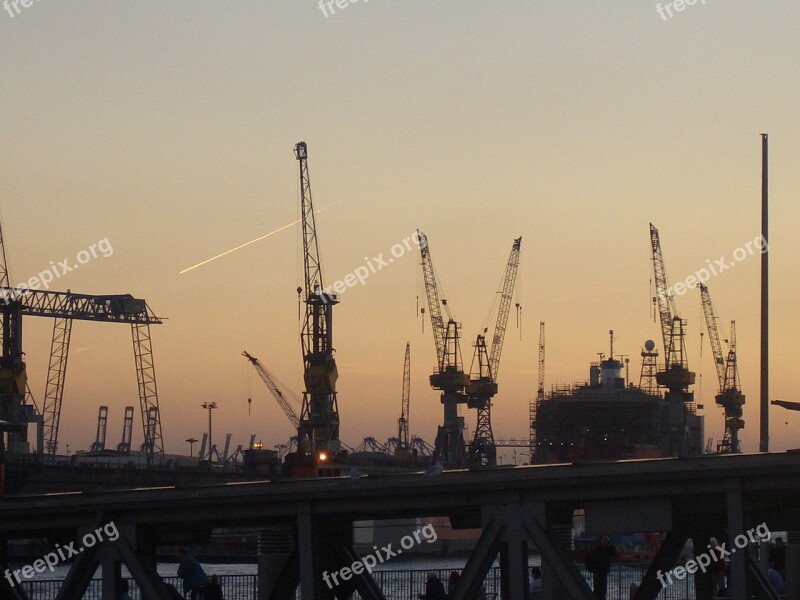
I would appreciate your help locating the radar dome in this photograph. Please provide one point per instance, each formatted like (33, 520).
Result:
(649, 345)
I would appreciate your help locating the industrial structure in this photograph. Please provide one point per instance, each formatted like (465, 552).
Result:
(17, 408)
(449, 376)
(318, 432)
(608, 417)
(485, 369)
(477, 389)
(730, 395)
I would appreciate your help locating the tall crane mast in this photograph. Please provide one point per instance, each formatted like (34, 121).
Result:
(534, 404)
(676, 376)
(486, 366)
(318, 431)
(402, 422)
(730, 397)
(274, 388)
(449, 376)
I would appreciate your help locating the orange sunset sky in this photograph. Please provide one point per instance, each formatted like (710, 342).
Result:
(168, 128)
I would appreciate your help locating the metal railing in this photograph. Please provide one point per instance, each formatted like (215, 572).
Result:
(396, 585)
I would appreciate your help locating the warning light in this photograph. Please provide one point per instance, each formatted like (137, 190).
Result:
(322, 457)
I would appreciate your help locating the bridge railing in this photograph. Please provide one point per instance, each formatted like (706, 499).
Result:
(396, 585)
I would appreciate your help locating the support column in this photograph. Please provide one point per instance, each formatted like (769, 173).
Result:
(305, 549)
(792, 568)
(275, 555)
(737, 576)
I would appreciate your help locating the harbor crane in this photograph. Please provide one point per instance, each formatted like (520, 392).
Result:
(485, 368)
(730, 396)
(675, 376)
(64, 308)
(534, 404)
(276, 390)
(318, 429)
(99, 443)
(402, 422)
(449, 376)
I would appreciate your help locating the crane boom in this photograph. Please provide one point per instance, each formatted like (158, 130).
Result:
(666, 305)
(434, 302)
(402, 422)
(274, 389)
(713, 334)
(504, 309)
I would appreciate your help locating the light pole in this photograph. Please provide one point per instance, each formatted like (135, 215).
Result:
(209, 406)
(192, 441)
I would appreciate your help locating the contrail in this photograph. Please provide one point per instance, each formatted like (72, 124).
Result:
(258, 239)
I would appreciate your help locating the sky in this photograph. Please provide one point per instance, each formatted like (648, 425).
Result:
(165, 130)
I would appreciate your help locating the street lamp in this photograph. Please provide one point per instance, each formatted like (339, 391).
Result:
(209, 406)
(192, 441)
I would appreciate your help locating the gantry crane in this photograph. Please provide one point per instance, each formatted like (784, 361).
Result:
(66, 307)
(275, 389)
(486, 366)
(402, 422)
(124, 447)
(730, 396)
(318, 431)
(449, 376)
(99, 443)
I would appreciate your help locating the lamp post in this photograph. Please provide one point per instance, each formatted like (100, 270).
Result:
(209, 406)
(192, 441)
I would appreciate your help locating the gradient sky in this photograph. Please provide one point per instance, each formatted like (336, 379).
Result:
(168, 128)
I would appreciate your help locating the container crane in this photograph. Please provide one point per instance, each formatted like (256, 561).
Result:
(486, 366)
(402, 422)
(676, 376)
(99, 443)
(730, 396)
(275, 389)
(318, 431)
(449, 376)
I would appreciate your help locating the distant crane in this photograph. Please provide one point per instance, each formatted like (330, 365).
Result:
(676, 376)
(534, 404)
(402, 422)
(449, 376)
(99, 443)
(318, 431)
(124, 446)
(486, 367)
(275, 390)
(730, 396)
